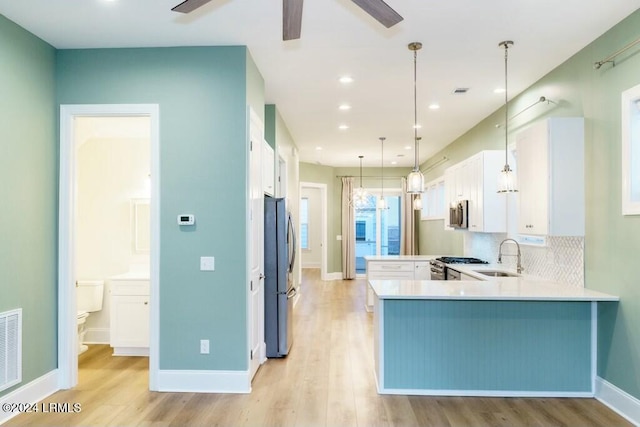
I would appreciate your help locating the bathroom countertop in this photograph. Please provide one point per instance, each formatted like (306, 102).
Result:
(132, 275)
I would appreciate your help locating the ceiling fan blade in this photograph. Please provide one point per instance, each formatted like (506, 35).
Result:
(189, 5)
(381, 11)
(291, 19)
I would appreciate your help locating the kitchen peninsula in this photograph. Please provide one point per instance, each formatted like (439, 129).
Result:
(510, 336)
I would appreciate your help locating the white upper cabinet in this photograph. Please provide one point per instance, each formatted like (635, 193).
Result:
(487, 208)
(476, 180)
(268, 169)
(433, 203)
(550, 160)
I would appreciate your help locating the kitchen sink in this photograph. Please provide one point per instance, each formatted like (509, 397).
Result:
(496, 273)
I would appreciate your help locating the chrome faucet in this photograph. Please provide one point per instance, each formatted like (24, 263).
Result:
(519, 255)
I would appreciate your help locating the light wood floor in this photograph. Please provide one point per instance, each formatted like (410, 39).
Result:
(327, 380)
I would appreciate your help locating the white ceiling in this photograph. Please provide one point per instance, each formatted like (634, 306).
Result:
(460, 49)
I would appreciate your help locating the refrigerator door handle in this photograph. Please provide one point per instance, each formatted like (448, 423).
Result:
(292, 233)
(292, 293)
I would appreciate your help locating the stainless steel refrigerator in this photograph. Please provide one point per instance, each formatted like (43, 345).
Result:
(279, 290)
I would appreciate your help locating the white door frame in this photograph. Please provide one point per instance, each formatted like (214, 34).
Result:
(67, 307)
(323, 229)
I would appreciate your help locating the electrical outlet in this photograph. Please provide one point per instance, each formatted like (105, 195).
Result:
(204, 346)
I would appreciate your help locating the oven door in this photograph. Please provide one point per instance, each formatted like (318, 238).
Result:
(437, 270)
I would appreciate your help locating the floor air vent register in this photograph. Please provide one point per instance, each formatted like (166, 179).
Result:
(10, 348)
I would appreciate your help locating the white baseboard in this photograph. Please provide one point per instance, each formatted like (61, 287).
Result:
(131, 351)
(32, 392)
(333, 276)
(310, 264)
(618, 400)
(97, 336)
(204, 381)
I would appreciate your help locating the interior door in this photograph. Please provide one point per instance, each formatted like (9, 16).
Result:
(256, 244)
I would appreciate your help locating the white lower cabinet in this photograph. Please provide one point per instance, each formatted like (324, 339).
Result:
(396, 269)
(129, 317)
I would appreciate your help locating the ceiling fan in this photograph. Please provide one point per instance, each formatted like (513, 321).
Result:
(292, 14)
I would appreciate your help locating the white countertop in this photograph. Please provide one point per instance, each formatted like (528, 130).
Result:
(401, 257)
(512, 289)
(132, 275)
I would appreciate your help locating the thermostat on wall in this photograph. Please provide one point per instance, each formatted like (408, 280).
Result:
(186, 219)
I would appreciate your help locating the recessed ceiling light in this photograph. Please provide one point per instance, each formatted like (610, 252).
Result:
(498, 90)
(408, 147)
(346, 79)
(394, 162)
(343, 127)
(417, 126)
(434, 106)
(345, 107)
(318, 148)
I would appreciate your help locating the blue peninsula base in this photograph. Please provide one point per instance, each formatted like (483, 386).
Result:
(485, 347)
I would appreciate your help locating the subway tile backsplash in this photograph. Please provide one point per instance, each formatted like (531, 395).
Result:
(562, 260)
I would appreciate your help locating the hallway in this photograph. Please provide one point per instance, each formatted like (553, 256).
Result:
(327, 380)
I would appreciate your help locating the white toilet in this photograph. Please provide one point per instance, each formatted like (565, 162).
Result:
(90, 296)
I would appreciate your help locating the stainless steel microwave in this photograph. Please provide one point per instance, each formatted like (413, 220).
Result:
(458, 214)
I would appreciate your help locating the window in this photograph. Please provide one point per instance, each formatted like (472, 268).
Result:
(631, 151)
(304, 223)
(361, 230)
(377, 231)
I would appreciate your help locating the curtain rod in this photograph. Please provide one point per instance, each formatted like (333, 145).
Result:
(597, 65)
(435, 164)
(370, 176)
(540, 100)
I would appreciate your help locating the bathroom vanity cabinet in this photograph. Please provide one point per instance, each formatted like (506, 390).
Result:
(130, 317)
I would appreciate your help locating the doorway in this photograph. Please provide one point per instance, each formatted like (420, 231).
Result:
(72, 119)
(313, 234)
(377, 230)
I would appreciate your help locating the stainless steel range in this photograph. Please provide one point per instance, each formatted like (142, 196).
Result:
(439, 270)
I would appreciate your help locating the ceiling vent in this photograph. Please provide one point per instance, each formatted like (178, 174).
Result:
(460, 90)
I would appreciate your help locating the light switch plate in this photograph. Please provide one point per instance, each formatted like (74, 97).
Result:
(207, 263)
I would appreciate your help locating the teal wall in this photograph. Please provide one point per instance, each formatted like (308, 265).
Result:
(29, 194)
(202, 94)
(270, 124)
(331, 177)
(612, 241)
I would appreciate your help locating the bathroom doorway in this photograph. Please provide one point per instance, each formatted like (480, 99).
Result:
(109, 223)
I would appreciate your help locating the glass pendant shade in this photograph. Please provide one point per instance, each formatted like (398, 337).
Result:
(360, 198)
(507, 182)
(382, 203)
(417, 203)
(415, 182)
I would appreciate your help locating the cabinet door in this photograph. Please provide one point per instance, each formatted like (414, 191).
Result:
(268, 169)
(475, 180)
(533, 179)
(130, 321)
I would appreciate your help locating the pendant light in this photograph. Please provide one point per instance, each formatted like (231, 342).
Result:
(507, 179)
(382, 203)
(417, 201)
(360, 197)
(415, 179)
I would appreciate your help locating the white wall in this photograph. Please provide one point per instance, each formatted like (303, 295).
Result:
(312, 257)
(111, 172)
